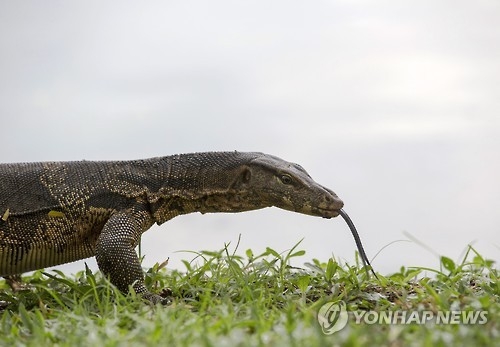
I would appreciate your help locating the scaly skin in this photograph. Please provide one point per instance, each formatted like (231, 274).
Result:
(58, 212)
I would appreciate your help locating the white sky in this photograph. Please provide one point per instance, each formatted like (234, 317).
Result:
(392, 104)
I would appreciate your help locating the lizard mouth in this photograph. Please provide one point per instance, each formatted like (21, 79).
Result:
(328, 212)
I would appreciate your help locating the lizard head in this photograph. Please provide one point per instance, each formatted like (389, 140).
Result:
(275, 182)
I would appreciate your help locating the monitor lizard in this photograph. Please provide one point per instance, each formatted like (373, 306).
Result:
(58, 212)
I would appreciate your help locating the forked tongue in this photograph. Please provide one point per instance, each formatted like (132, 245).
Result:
(361, 250)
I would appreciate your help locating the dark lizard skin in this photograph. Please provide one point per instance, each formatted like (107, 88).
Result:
(58, 212)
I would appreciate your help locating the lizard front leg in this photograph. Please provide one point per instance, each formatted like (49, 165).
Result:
(115, 252)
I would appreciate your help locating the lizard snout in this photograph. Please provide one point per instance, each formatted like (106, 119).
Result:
(329, 204)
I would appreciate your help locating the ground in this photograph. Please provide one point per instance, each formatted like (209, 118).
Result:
(222, 299)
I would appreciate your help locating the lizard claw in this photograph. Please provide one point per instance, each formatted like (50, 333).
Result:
(164, 298)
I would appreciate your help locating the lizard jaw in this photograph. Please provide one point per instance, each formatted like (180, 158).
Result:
(328, 213)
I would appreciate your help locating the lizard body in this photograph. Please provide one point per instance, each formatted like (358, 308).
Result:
(58, 212)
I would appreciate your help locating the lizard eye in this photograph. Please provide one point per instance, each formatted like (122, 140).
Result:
(286, 179)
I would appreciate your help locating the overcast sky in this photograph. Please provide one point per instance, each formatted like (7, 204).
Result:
(392, 104)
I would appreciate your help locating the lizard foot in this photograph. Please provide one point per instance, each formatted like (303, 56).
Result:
(15, 283)
(157, 299)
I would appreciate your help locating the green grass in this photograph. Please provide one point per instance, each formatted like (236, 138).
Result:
(259, 299)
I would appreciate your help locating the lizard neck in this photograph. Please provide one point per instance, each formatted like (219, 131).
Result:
(229, 202)
(202, 182)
